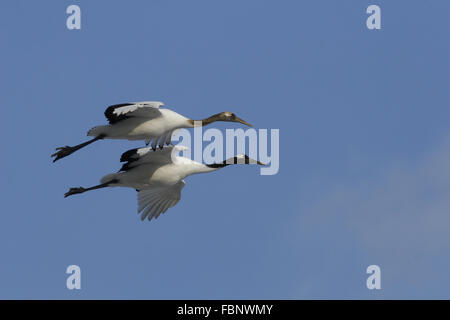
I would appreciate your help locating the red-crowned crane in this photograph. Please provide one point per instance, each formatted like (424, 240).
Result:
(157, 176)
(143, 121)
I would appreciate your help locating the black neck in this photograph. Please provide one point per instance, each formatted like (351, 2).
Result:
(217, 165)
(225, 163)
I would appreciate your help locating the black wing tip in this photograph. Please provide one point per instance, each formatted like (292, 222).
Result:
(124, 167)
(112, 107)
(109, 112)
(127, 155)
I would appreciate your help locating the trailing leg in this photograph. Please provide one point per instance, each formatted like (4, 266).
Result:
(73, 191)
(67, 150)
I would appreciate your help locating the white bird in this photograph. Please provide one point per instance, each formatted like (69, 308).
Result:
(143, 121)
(157, 176)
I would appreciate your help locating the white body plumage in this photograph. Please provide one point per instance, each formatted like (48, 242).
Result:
(159, 128)
(158, 177)
(143, 121)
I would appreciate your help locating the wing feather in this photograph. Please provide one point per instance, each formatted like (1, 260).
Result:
(157, 210)
(153, 202)
(166, 206)
(138, 156)
(148, 211)
(165, 139)
(144, 109)
(154, 143)
(169, 137)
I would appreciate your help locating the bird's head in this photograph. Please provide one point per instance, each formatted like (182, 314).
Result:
(230, 117)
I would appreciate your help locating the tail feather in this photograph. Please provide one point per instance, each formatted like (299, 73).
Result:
(97, 131)
(109, 177)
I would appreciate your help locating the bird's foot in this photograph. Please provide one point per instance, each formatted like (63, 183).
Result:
(74, 191)
(63, 152)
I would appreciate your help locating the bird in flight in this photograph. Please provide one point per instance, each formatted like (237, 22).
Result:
(157, 176)
(143, 121)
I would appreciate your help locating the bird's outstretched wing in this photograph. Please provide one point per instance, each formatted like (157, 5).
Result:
(152, 202)
(144, 109)
(139, 156)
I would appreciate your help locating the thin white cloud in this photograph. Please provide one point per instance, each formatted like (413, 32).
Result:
(401, 218)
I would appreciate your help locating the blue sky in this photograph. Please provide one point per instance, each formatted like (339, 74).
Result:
(364, 149)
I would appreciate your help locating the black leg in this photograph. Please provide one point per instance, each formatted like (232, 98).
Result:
(73, 191)
(67, 150)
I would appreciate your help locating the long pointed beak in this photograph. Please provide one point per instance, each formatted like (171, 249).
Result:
(252, 161)
(243, 122)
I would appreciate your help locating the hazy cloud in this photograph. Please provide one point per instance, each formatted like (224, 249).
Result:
(401, 219)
